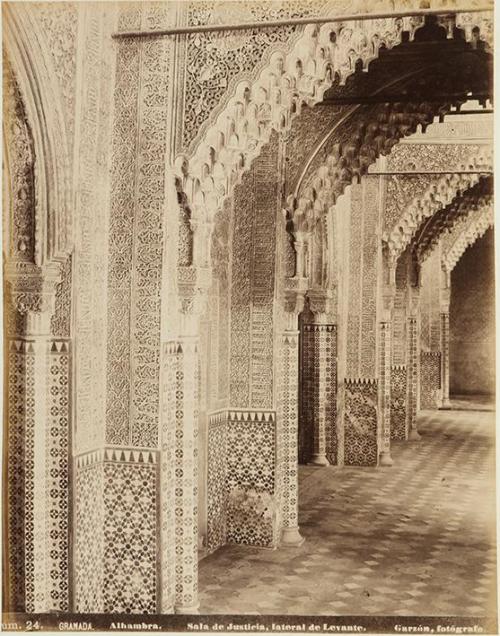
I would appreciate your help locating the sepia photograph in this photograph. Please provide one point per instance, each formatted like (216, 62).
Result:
(249, 317)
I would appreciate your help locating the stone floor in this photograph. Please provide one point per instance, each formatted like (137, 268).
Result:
(416, 539)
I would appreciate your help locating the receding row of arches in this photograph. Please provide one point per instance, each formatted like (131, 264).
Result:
(262, 298)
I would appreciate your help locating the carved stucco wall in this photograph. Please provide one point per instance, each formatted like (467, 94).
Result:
(94, 125)
(255, 209)
(59, 26)
(214, 386)
(362, 287)
(472, 320)
(403, 190)
(429, 303)
(140, 154)
(122, 263)
(136, 242)
(361, 205)
(39, 139)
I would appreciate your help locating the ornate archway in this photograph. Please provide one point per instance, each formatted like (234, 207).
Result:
(182, 169)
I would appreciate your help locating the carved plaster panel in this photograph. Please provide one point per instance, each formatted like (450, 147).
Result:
(438, 194)
(19, 167)
(59, 25)
(466, 234)
(258, 105)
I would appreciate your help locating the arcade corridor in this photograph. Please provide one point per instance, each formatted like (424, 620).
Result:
(414, 539)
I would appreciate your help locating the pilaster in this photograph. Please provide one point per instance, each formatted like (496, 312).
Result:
(430, 332)
(117, 472)
(38, 437)
(358, 403)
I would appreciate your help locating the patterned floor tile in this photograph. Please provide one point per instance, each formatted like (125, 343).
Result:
(416, 539)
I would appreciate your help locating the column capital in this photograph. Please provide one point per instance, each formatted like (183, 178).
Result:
(388, 296)
(320, 303)
(193, 284)
(294, 295)
(413, 300)
(32, 293)
(444, 301)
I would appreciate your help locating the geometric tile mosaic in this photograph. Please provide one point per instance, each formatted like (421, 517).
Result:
(251, 450)
(360, 422)
(430, 379)
(216, 480)
(318, 391)
(116, 531)
(398, 402)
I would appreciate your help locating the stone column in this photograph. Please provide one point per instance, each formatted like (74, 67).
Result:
(445, 343)
(384, 373)
(180, 371)
(413, 363)
(430, 332)
(320, 379)
(445, 360)
(288, 407)
(179, 476)
(38, 421)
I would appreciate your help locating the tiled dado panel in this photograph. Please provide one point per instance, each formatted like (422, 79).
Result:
(216, 480)
(116, 531)
(398, 402)
(251, 474)
(38, 411)
(430, 379)
(360, 422)
(318, 398)
(242, 503)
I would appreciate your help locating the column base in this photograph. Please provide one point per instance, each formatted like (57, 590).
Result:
(445, 405)
(385, 459)
(414, 435)
(187, 609)
(319, 460)
(291, 537)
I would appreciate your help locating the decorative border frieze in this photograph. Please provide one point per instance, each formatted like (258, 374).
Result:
(117, 454)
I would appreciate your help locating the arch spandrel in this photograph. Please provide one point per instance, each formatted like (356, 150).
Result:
(443, 222)
(19, 160)
(220, 66)
(438, 194)
(290, 79)
(465, 234)
(49, 102)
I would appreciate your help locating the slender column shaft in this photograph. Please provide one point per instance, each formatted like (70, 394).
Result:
(445, 360)
(385, 392)
(288, 432)
(413, 370)
(319, 389)
(179, 478)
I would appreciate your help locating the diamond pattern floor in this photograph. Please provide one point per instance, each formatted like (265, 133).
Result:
(416, 539)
